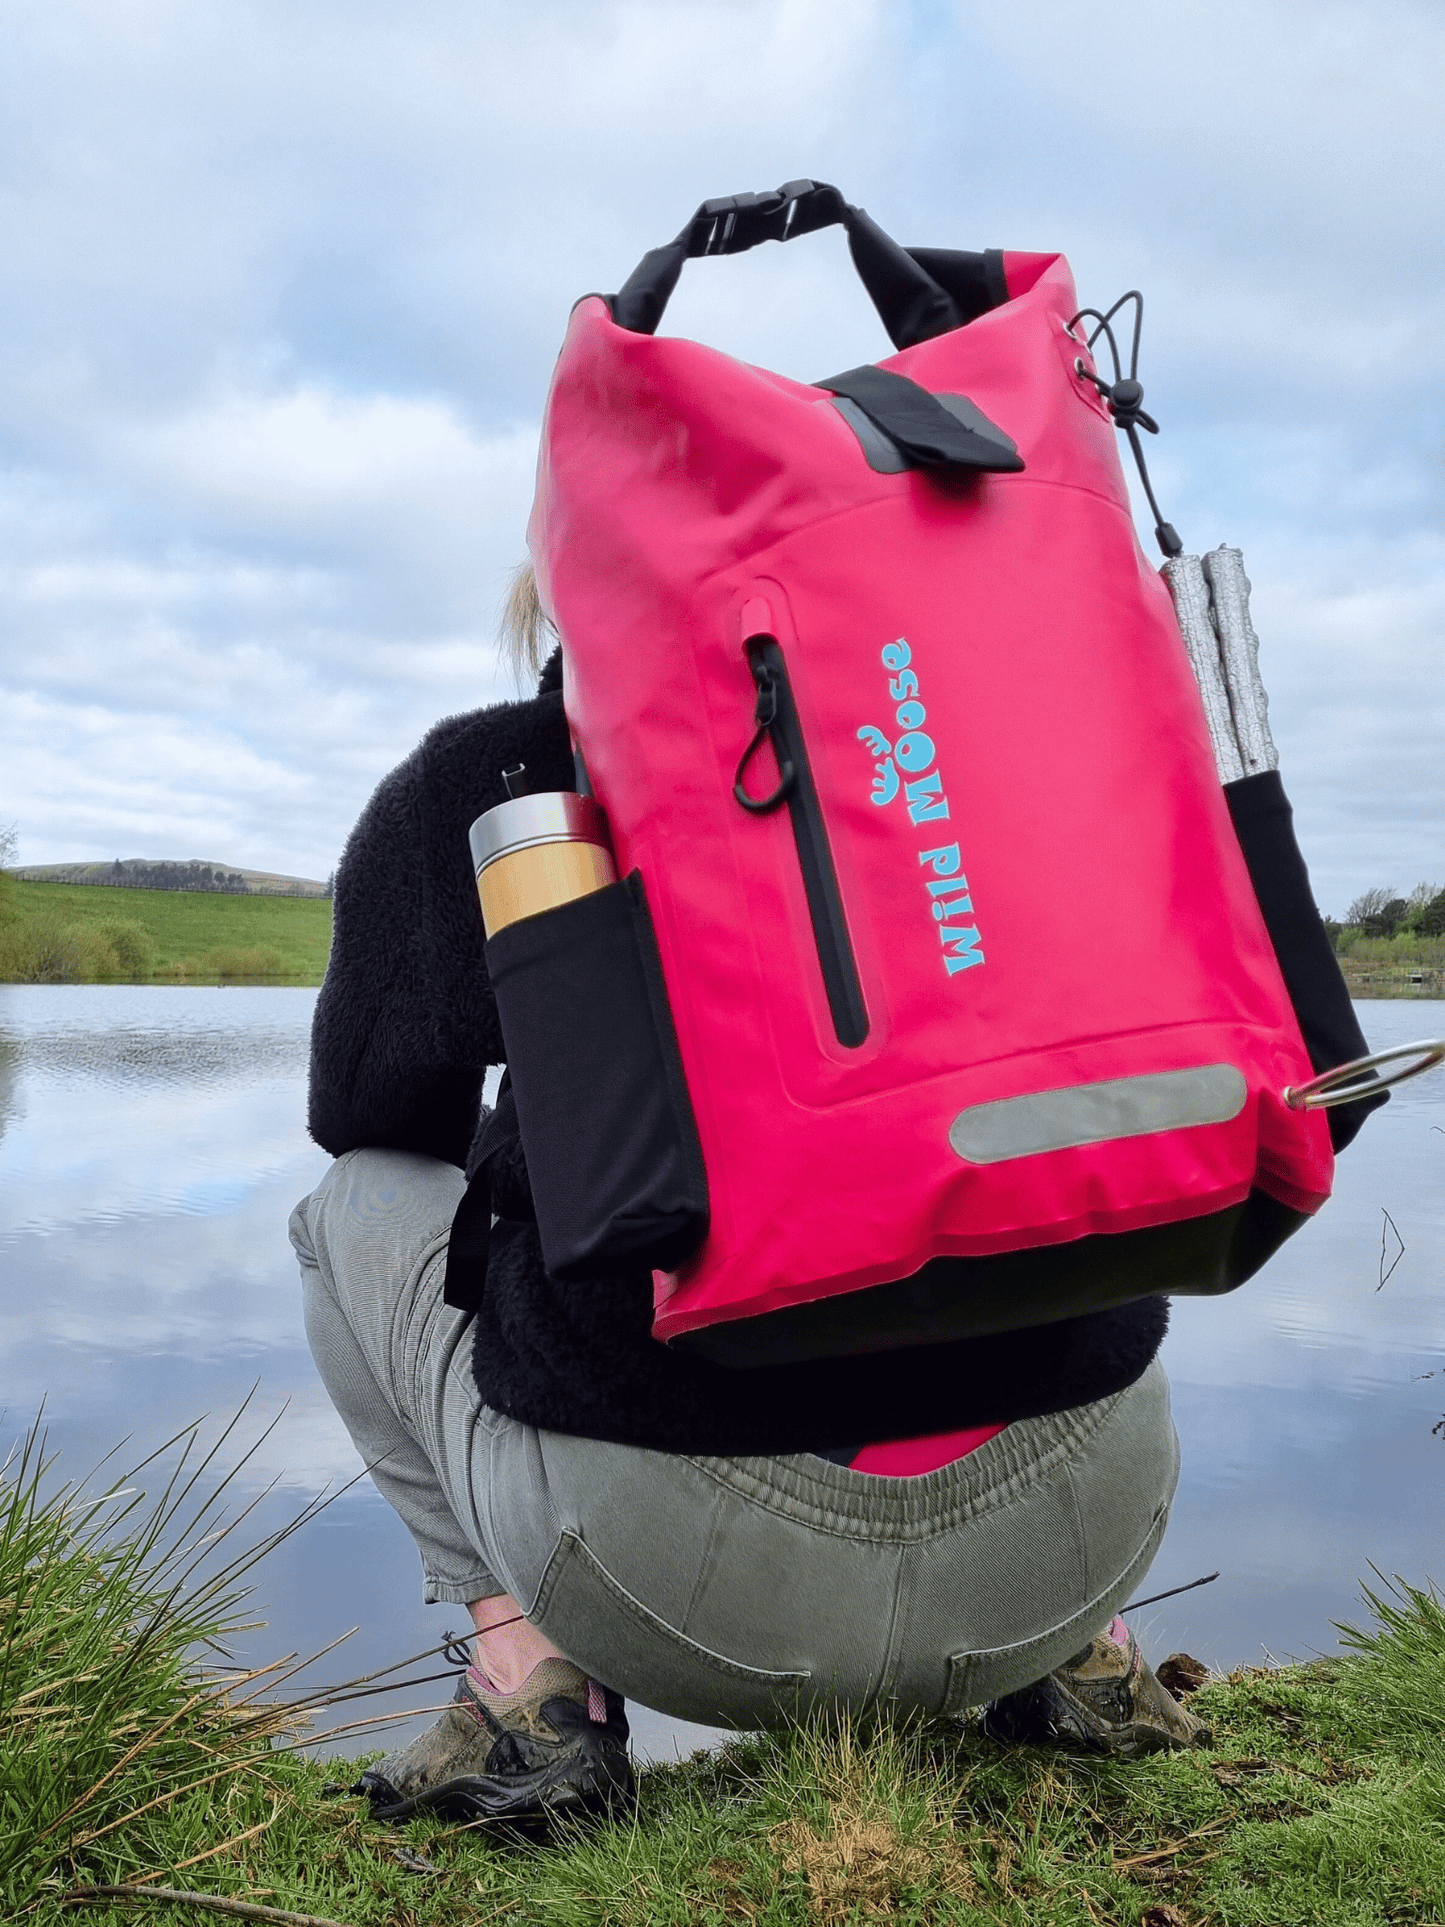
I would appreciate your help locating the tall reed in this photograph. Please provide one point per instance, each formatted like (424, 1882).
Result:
(117, 1696)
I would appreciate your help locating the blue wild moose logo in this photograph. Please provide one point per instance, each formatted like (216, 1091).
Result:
(907, 765)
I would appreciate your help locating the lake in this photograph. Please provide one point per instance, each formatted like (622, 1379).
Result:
(152, 1144)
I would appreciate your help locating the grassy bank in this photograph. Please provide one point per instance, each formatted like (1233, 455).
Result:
(78, 933)
(1321, 1799)
(1406, 965)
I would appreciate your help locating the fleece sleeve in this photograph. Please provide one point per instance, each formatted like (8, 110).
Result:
(405, 1022)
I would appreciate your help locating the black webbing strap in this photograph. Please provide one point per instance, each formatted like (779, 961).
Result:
(1264, 824)
(928, 432)
(470, 1245)
(917, 294)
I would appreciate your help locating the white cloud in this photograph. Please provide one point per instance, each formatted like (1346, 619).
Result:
(324, 460)
(283, 288)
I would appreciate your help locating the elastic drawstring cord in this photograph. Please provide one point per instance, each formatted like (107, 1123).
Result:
(1125, 397)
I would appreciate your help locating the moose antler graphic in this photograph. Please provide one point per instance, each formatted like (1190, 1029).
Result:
(885, 777)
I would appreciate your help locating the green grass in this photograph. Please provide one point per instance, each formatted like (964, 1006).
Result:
(79, 933)
(1321, 1799)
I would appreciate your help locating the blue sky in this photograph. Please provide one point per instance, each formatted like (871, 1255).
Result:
(282, 287)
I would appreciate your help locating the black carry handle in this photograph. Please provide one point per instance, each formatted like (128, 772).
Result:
(918, 294)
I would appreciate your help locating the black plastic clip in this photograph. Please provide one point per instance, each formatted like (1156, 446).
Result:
(733, 222)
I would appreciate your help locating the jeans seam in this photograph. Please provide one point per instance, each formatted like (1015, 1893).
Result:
(403, 1320)
(1079, 1529)
(700, 1578)
(898, 1617)
(457, 1592)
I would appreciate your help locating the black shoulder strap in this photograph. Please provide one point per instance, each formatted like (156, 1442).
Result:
(470, 1245)
(1264, 824)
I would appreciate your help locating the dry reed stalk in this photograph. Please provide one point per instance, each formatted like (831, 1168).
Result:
(212, 1903)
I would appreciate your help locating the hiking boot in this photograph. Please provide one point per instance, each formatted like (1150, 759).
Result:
(1105, 1698)
(556, 1745)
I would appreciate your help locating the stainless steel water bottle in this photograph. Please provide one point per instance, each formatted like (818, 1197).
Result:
(536, 851)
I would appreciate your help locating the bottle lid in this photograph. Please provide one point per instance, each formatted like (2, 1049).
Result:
(550, 816)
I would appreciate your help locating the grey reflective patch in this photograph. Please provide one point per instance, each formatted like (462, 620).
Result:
(1021, 1127)
(884, 456)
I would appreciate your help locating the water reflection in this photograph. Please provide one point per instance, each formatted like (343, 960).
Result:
(152, 1143)
(1305, 1402)
(156, 1143)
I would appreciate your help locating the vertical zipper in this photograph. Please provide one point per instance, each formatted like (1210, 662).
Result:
(776, 716)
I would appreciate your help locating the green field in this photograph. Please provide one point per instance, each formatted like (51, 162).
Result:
(79, 933)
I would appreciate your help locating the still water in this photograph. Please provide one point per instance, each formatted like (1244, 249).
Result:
(152, 1143)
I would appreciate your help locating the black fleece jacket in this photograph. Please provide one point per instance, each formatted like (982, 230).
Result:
(404, 1031)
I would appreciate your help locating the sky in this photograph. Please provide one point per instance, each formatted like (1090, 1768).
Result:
(282, 286)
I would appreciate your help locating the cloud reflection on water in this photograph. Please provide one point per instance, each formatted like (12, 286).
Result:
(157, 1146)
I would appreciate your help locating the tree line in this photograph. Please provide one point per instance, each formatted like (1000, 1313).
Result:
(1381, 912)
(173, 876)
(138, 874)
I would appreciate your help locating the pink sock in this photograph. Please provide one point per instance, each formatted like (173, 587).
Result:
(596, 1701)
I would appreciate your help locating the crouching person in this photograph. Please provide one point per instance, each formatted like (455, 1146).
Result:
(933, 1528)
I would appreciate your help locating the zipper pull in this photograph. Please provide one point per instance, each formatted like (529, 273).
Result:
(765, 717)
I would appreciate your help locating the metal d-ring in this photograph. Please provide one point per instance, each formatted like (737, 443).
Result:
(1341, 1085)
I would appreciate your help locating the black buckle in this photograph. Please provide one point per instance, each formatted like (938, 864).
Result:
(765, 217)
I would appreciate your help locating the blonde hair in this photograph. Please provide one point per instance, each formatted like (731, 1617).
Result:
(527, 632)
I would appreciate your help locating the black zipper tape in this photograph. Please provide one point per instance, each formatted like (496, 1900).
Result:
(777, 717)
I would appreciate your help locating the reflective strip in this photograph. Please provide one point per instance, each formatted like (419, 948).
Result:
(1020, 1127)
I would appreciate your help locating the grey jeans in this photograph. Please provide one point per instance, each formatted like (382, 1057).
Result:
(719, 1590)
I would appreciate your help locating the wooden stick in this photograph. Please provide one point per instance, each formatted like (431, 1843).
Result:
(217, 1903)
(1165, 1853)
(1173, 1592)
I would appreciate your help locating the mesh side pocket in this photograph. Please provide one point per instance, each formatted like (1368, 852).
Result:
(607, 1126)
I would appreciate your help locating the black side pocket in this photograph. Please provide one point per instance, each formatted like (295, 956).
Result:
(607, 1127)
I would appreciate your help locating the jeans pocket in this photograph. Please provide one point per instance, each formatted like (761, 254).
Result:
(595, 1619)
(974, 1678)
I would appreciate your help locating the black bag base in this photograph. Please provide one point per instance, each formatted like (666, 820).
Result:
(955, 1298)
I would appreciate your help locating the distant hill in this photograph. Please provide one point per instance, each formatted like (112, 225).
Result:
(142, 873)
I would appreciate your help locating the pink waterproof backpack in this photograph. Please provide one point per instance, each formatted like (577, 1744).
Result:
(889, 716)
